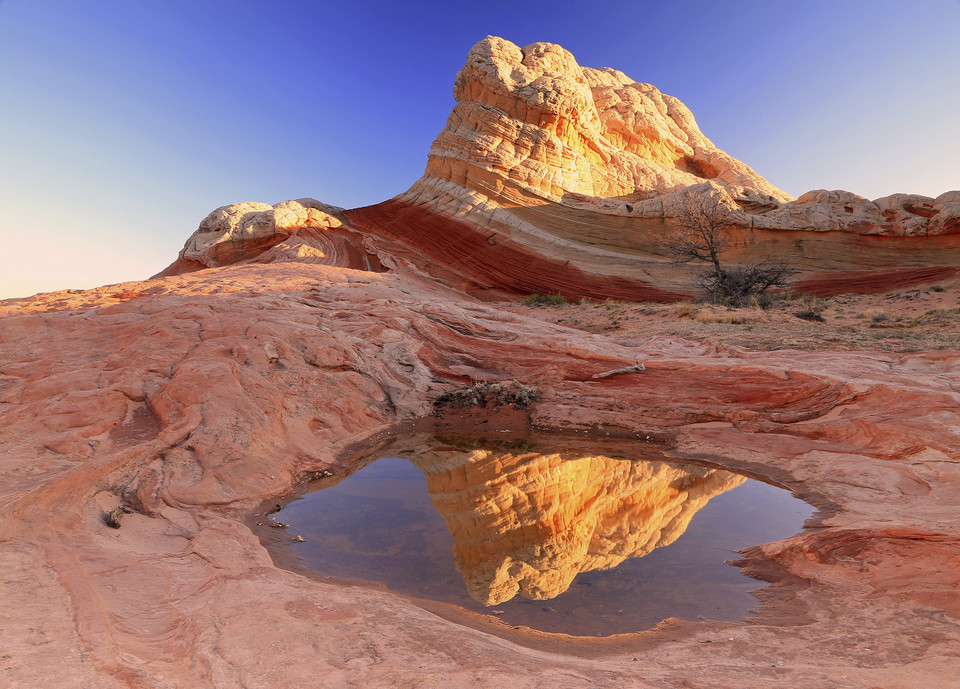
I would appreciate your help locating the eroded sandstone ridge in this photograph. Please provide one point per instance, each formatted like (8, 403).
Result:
(305, 231)
(554, 178)
(535, 121)
(527, 523)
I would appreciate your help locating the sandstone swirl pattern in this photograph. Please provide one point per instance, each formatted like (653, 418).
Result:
(193, 398)
(535, 119)
(531, 123)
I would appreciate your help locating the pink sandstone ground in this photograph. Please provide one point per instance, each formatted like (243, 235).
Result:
(194, 398)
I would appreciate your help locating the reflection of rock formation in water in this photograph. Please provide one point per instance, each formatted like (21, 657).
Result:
(529, 523)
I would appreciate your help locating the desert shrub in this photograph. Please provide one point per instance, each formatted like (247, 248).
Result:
(684, 310)
(810, 314)
(546, 300)
(745, 284)
(938, 288)
(614, 303)
(702, 234)
(513, 394)
(942, 311)
(811, 309)
(874, 315)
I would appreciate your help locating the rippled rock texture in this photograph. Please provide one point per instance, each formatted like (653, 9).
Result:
(193, 399)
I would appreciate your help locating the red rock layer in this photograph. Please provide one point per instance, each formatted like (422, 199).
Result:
(872, 282)
(478, 262)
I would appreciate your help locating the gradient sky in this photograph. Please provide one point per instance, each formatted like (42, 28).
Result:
(124, 122)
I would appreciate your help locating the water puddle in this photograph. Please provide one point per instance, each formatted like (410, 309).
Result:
(591, 540)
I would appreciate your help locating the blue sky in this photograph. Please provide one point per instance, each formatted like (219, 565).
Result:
(124, 122)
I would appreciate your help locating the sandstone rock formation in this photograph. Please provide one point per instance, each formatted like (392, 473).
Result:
(528, 524)
(304, 230)
(535, 120)
(532, 127)
(588, 167)
(554, 178)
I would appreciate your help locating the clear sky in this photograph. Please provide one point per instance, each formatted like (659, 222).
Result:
(124, 122)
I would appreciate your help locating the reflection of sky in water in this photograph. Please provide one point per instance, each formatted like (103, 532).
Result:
(380, 524)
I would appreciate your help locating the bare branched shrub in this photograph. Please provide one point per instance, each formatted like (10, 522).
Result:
(746, 283)
(703, 234)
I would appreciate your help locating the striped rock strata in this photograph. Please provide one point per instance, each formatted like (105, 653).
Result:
(554, 178)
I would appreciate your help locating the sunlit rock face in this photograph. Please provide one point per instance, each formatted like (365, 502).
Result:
(528, 523)
(554, 178)
(535, 118)
(533, 128)
(304, 230)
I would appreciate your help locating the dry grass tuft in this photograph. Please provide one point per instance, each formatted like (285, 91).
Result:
(874, 315)
(546, 300)
(707, 316)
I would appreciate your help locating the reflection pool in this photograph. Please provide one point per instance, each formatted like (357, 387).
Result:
(592, 538)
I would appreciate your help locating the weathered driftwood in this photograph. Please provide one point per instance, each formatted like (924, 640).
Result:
(636, 368)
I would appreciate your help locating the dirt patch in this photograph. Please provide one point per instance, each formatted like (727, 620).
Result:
(913, 320)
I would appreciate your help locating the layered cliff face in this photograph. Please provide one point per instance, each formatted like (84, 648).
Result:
(554, 178)
(182, 403)
(527, 524)
(535, 120)
(533, 124)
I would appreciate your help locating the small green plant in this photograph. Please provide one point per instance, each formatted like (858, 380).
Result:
(546, 300)
(498, 395)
